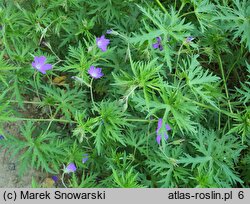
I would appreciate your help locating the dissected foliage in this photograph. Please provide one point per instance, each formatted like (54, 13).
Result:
(185, 62)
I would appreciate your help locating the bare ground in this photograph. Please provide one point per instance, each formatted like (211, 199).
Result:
(9, 177)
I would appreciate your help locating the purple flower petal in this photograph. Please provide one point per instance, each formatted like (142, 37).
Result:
(1, 137)
(189, 39)
(85, 158)
(40, 60)
(46, 67)
(158, 139)
(159, 125)
(160, 47)
(95, 73)
(166, 136)
(70, 168)
(109, 31)
(102, 43)
(156, 45)
(168, 127)
(158, 39)
(91, 69)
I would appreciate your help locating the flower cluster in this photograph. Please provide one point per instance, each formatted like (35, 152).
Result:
(96, 73)
(102, 43)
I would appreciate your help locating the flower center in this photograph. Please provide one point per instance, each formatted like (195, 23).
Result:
(99, 43)
(38, 66)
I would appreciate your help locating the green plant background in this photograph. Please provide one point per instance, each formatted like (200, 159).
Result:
(200, 88)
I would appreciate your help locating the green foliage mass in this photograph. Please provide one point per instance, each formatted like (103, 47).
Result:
(200, 87)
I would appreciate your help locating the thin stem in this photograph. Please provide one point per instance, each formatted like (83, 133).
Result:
(148, 133)
(41, 120)
(180, 9)
(219, 122)
(139, 120)
(211, 108)
(44, 33)
(91, 92)
(225, 83)
(49, 46)
(178, 57)
(36, 87)
(32, 90)
(63, 180)
(187, 14)
(161, 6)
(33, 102)
(132, 90)
(172, 160)
(28, 102)
(52, 120)
(236, 61)
(70, 121)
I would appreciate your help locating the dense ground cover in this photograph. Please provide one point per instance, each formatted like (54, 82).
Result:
(132, 93)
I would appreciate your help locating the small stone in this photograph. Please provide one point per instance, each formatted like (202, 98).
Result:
(12, 166)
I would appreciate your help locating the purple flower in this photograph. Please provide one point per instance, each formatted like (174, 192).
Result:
(55, 178)
(70, 168)
(189, 39)
(109, 31)
(158, 45)
(161, 131)
(102, 43)
(39, 64)
(95, 73)
(85, 158)
(1, 137)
